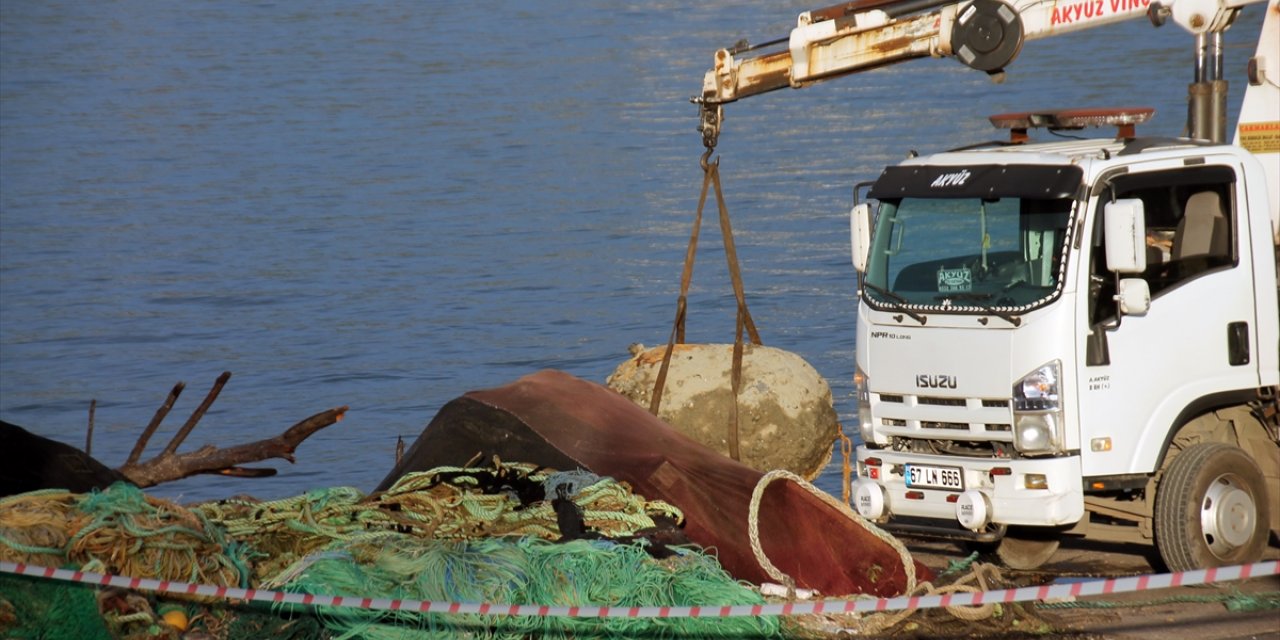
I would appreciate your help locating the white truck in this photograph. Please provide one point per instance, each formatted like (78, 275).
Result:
(1062, 338)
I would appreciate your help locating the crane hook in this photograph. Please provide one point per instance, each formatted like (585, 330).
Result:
(709, 116)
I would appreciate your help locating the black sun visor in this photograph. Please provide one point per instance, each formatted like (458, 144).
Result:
(978, 181)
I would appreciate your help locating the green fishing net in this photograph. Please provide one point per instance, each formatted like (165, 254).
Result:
(34, 609)
(523, 571)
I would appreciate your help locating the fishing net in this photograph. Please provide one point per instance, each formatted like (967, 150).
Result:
(32, 609)
(255, 621)
(443, 503)
(36, 527)
(522, 570)
(509, 533)
(515, 500)
(281, 531)
(118, 530)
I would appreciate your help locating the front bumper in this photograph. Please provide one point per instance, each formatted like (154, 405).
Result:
(1007, 498)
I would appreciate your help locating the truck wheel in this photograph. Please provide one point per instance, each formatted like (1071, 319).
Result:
(1027, 548)
(1211, 509)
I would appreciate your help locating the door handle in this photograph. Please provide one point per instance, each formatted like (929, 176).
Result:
(1238, 343)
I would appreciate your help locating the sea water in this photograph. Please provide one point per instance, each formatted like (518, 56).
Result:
(387, 204)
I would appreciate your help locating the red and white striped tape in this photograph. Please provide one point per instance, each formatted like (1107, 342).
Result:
(1023, 594)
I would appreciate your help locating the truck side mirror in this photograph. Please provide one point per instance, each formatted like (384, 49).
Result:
(1126, 227)
(1134, 296)
(860, 235)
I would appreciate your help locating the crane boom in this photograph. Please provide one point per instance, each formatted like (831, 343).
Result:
(983, 34)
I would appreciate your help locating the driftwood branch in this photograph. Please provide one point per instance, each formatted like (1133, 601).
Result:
(210, 459)
(88, 436)
(245, 472)
(198, 413)
(155, 423)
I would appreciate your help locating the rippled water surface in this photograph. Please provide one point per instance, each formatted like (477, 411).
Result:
(386, 205)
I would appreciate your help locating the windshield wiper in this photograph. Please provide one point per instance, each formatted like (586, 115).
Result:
(899, 300)
(975, 300)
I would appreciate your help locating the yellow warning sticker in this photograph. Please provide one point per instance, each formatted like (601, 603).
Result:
(1260, 137)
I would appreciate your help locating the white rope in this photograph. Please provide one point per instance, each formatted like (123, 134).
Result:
(873, 623)
(753, 527)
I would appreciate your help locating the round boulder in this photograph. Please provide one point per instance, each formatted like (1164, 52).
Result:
(786, 419)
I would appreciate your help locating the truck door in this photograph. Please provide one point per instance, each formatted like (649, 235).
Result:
(1195, 345)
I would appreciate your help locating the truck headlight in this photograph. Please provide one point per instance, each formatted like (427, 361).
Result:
(1037, 410)
(1038, 390)
(862, 389)
(1035, 432)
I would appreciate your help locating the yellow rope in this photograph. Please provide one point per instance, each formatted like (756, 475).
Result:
(878, 623)
(425, 504)
(150, 537)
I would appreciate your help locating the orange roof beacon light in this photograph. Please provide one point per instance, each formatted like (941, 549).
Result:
(1123, 118)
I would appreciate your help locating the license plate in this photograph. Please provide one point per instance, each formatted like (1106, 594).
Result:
(926, 477)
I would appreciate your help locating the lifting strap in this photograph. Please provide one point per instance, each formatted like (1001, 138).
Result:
(711, 176)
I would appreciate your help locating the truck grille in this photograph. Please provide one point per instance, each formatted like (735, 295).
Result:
(958, 426)
(941, 402)
(943, 418)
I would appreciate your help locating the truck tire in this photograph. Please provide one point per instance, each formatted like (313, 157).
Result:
(1211, 509)
(1027, 548)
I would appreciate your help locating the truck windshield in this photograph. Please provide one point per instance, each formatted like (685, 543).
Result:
(975, 255)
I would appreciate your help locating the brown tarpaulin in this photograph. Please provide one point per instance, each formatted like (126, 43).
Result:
(554, 419)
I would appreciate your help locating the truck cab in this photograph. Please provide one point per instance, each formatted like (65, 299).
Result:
(1072, 337)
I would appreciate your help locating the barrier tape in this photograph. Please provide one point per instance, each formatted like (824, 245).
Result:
(1022, 594)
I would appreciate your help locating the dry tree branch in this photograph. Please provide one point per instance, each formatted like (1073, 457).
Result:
(198, 413)
(171, 465)
(88, 436)
(210, 459)
(155, 423)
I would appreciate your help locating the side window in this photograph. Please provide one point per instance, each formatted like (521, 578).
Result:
(1190, 229)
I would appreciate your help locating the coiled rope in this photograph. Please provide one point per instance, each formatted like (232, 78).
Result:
(119, 529)
(869, 624)
(444, 503)
(1233, 602)
(753, 527)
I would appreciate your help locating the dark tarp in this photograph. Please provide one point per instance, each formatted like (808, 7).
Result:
(29, 462)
